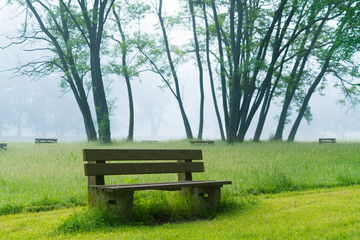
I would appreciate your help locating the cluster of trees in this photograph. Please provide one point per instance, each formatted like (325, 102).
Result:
(253, 53)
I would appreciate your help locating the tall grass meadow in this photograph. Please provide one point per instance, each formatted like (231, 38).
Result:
(40, 177)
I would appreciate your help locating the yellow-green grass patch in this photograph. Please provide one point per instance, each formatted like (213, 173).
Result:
(317, 214)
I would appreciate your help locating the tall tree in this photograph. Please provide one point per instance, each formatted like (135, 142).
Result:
(127, 16)
(299, 67)
(335, 63)
(200, 68)
(246, 50)
(167, 71)
(91, 26)
(211, 75)
(58, 33)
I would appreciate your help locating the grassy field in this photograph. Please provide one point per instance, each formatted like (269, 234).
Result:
(279, 190)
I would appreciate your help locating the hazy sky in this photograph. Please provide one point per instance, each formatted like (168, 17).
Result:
(154, 107)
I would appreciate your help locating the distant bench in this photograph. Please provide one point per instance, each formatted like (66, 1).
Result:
(201, 142)
(119, 198)
(327, 140)
(45, 140)
(3, 146)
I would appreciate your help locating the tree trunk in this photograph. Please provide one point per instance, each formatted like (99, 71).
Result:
(102, 111)
(222, 68)
(199, 64)
(235, 87)
(126, 75)
(213, 93)
(86, 114)
(131, 109)
(289, 94)
(296, 77)
(95, 25)
(276, 54)
(68, 66)
(311, 90)
(250, 104)
(175, 77)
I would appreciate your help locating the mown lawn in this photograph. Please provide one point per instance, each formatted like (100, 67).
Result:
(279, 191)
(316, 214)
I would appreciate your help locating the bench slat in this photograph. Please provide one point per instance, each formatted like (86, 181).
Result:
(327, 140)
(159, 186)
(202, 142)
(140, 154)
(45, 140)
(141, 168)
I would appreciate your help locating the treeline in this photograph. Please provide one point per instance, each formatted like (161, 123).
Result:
(253, 53)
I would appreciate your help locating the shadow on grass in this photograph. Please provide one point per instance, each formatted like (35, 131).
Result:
(151, 213)
(44, 204)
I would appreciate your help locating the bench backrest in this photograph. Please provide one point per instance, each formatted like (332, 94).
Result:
(45, 140)
(167, 161)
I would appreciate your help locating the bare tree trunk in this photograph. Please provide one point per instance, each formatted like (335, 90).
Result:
(68, 66)
(175, 77)
(201, 74)
(211, 75)
(312, 88)
(127, 76)
(94, 25)
(222, 68)
(248, 109)
(276, 54)
(296, 76)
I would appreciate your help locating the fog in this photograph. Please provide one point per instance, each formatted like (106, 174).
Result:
(33, 108)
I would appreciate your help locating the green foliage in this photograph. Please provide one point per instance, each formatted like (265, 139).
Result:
(260, 35)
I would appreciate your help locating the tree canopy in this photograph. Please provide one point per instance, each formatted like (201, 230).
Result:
(252, 53)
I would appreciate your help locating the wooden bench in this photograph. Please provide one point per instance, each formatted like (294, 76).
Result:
(327, 140)
(119, 198)
(201, 142)
(45, 140)
(3, 146)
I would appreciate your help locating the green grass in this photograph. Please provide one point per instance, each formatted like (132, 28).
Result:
(315, 214)
(43, 175)
(39, 181)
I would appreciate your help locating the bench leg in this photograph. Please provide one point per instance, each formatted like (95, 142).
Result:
(206, 197)
(121, 204)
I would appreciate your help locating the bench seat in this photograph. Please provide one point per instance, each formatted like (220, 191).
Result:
(169, 186)
(202, 142)
(45, 140)
(327, 140)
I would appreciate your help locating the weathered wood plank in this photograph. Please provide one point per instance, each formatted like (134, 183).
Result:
(158, 186)
(140, 154)
(202, 142)
(142, 168)
(327, 140)
(187, 176)
(45, 140)
(119, 198)
(3, 146)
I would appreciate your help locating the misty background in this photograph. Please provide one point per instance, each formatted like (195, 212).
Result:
(33, 108)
